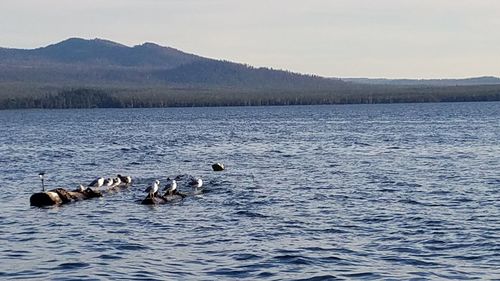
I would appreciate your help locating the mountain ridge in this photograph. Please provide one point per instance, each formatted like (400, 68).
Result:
(150, 75)
(102, 53)
(101, 62)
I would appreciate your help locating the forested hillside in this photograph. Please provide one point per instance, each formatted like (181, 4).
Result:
(79, 73)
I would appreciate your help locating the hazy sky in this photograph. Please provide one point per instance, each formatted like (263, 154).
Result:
(339, 38)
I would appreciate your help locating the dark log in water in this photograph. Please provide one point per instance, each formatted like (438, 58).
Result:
(61, 196)
(48, 198)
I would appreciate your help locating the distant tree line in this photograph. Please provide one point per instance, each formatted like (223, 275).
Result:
(77, 98)
(185, 97)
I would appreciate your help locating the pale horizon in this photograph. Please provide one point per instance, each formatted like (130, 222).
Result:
(345, 39)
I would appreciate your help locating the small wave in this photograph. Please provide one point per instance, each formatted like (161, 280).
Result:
(405, 250)
(251, 214)
(446, 246)
(387, 190)
(462, 200)
(73, 265)
(411, 261)
(24, 274)
(408, 184)
(440, 192)
(109, 257)
(131, 247)
(329, 230)
(492, 181)
(17, 255)
(315, 249)
(244, 257)
(410, 201)
(362, 143)
(265, 274)
(319, 278)
(231, 272)
(376, 220)
(468, 258)
(294, 259)
(144, 275)
(388, 182)
(362, 275)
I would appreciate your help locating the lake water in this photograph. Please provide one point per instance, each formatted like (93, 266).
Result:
(402, 191)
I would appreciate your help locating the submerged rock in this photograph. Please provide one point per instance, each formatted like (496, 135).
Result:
(166, 198)
(153, 200)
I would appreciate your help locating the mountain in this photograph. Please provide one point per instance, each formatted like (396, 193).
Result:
(98, 62)
(80, 73)
(98, 53)
(485, 80)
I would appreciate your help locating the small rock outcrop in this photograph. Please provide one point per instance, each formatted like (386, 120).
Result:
(49, 198)
(218, 167)
(159, 199)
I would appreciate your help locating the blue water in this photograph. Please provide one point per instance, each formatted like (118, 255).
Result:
(404, 191)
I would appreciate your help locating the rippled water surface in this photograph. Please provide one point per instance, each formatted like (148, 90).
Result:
(309, 193)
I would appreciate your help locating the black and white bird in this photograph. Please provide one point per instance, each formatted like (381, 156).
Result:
(125, 179)
(108, 182)
(170, 187)
(152, 189)
(196, 183)
(97, 182)
(116, 182)
(41, 175)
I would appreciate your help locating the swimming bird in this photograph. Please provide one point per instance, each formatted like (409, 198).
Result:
(170, 187)
(97, 182)
(125, 179)
(196, 183)
(152, 189)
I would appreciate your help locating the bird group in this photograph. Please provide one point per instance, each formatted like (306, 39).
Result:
(119, 180)
(170, 187)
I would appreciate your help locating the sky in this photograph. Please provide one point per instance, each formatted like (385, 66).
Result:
(333, 38)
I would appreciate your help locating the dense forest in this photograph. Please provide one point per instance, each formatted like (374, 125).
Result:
(474, 81)
(78, 73)
(140, 98)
